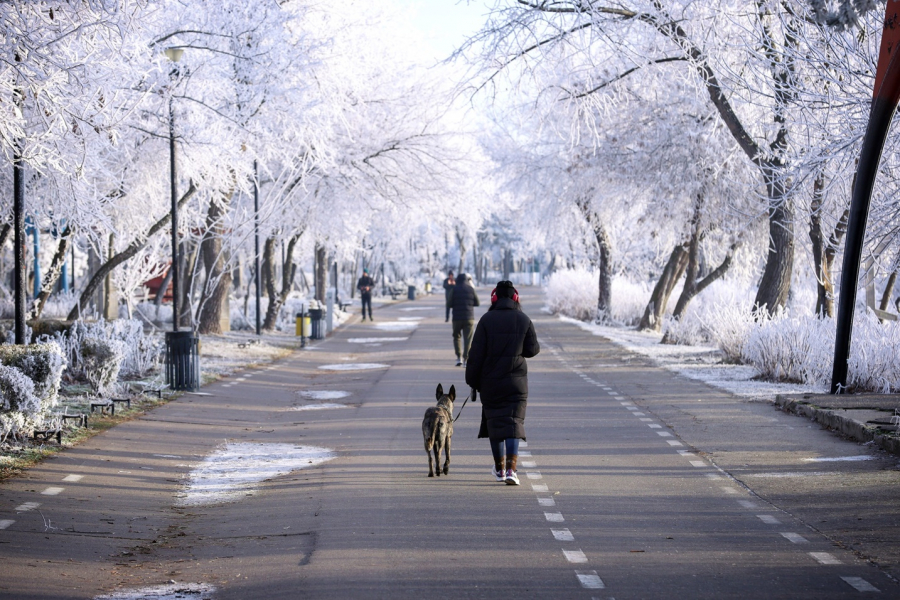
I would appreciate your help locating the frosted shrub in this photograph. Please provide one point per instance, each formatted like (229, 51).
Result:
(874, 361)
(686, 331)
(43, 364)
(141, 353)
(17, 393)
(729, 327)
(18, 403)
(102, 359)
(573, 293)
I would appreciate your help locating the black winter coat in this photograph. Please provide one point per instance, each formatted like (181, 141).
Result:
(503, 339)
(464, 300)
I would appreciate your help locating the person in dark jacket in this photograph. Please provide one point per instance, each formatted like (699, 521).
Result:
(365, 285)
(497, 369)
(449, 282)
(464, 300)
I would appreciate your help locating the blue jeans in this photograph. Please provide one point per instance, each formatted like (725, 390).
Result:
(511, 445)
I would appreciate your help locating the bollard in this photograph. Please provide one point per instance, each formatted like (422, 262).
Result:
(411, 292)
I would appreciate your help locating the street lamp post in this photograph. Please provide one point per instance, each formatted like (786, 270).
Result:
(256, 232)
(182, 347)
(174, 55)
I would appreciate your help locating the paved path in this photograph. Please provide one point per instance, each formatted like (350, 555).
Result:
(636, 483)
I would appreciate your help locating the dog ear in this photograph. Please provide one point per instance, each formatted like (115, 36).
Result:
(452, 393)
(439, 392)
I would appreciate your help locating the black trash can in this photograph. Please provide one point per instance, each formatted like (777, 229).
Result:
(317, 322)
(411, 292)
(183, 360)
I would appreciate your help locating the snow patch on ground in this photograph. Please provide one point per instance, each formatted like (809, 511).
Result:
(354, 367)
(396, 325)
(324, 394)
(703, 363)
(323, 406)
(376, 340)
(234, 470)
(171, 591)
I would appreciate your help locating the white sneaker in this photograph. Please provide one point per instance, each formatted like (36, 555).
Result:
(498, 475)
(511, 477)
(464, 363)
(459, 362)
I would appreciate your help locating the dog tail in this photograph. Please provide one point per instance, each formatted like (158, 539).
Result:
(430, 430)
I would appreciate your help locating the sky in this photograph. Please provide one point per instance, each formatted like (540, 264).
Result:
(445, 24)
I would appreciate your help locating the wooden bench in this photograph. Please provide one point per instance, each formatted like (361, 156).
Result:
(81, 420)
(48, 434)
(144, 389)
(105, 406)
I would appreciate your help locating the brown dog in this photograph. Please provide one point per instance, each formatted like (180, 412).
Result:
(437, 428)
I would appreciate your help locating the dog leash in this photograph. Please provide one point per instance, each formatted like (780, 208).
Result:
(474, 391)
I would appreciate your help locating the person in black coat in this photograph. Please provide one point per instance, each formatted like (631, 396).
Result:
(463, 301)
(503, 339)
(365, 285)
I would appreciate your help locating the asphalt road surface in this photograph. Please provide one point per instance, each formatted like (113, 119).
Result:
(636, 483)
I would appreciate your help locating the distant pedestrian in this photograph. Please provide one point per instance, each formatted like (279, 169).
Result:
(504, 338)
(463, 299)
(365, 285)
(449, 282)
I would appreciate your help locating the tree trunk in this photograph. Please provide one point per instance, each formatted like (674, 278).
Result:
(888, 291)
(321, 273)
(775, 284)
(604, 280)
(50, 279)
(288, 271)
(653, 314)
(218, 276)
(129, 252)
(461, 240)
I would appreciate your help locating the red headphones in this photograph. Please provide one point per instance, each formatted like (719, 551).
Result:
(515, 296)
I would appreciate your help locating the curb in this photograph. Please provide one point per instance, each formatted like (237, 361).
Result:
(834, 420)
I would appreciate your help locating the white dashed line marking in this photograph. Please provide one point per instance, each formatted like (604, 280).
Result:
(663, 434)
(575, 556)
(73, 478)
(698, 463)
(794, 537)
(523, 444)
(626, 403)
(824, 558)
(554, 517)
(4, 523)
(590, 580)
(241, 379)
(654, 426)
(533, 475)
(729, 490)
(539, 487)
(528, 464)
(769, 519)
(52, 491)
(674, 442)
(524, 454)
(644, 419)
(546, 501)
(631, 408)
(747, 504)
(639, 414)
(27, 506)
(713, 476)
(860, 584)
(686, 453)
(563, 535)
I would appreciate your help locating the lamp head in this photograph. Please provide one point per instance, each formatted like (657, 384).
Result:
(174, 54)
